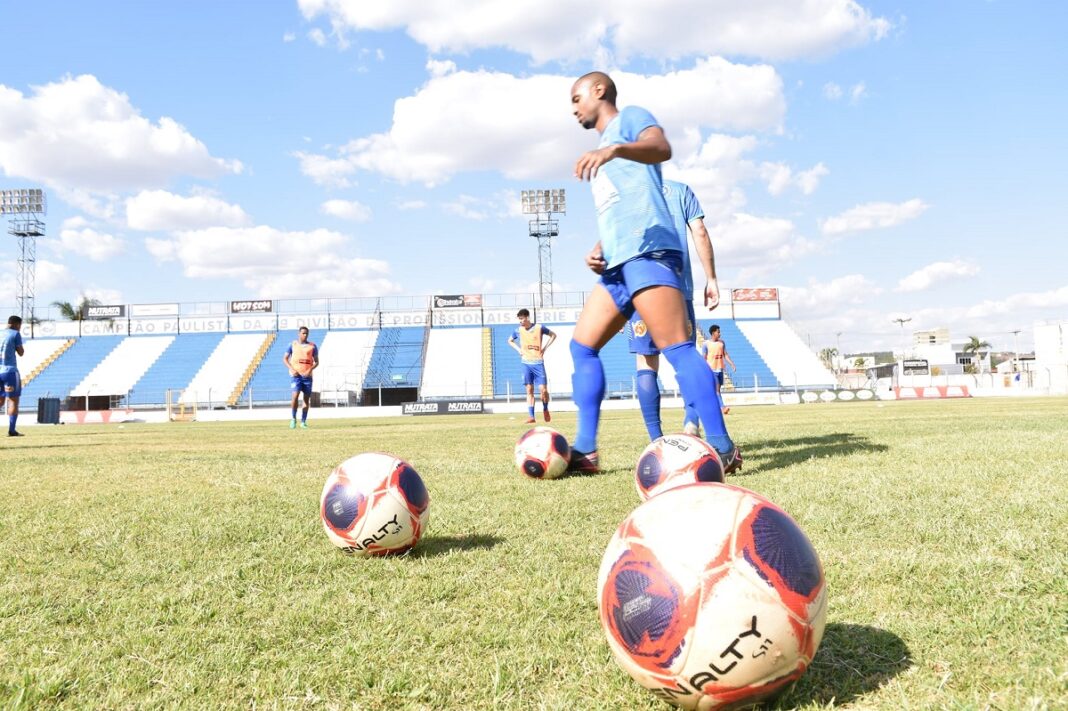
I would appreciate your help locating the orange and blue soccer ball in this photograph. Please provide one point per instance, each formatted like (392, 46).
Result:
(676, 460)
(712, 597)
(374, 504)
(542, 453)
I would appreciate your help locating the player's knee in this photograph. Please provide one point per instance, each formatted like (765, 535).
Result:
(580, 351)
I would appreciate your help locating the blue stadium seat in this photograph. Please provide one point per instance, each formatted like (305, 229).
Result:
(59, 378)
(270, 382)
(752, 370)
(175, 368)
(397, 359)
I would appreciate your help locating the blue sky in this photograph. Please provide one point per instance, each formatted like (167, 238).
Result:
(875, 160)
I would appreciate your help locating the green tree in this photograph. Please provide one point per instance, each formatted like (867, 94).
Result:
(976, 348)
(73, 312)
(827, 357)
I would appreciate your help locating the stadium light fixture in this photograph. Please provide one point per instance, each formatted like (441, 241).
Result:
(25, 206)
(543, 204)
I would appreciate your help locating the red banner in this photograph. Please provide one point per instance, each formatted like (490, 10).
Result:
(760, 294)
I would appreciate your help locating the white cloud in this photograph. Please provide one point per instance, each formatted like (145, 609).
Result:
(823, 299)
(757, 245)
(78, 237)
(937, 273)
(288, 37)
(857, 92)
(275, 263)
(832, 91)
(523, 128)
(317, 36)
(164, 211)
(410, 205)
(780, 176)
(559, 30)
(79, 135)
(501, 205)
(873, 215)
(351, 210)
(102, 294)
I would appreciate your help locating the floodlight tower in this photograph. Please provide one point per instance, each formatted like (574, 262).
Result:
(26, 206)
(543, 204)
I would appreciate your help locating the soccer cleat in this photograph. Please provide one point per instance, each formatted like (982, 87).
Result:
(732, 461)
(304, 425)
(548, 417)
(531, 421)
(13, 433)
(293, 424)
(726, 411)
(583, 463)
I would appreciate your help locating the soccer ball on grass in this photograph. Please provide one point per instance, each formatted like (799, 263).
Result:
(542, 453)
(675, 460)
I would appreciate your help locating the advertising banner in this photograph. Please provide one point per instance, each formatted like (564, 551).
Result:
(448, 301)
(350, 321)
(153, 326)
(119, 327)
(443, 407)
(104, 311)
(458, 317)
(149, 310)
(403, 318)
(915, 366)
(760, 294)
(253, 322)
(202, 324)
(314, 322)
(261, 306)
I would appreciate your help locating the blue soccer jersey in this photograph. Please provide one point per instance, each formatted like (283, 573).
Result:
(632, 215)
(684, 208)
(10, 341)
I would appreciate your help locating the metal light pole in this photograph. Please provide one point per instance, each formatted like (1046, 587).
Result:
(901, 322)
(544, 203)
(25, 205)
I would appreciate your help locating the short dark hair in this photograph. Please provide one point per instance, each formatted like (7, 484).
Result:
(14, 321)
(523, 312)
(303, 328)
(713, 328)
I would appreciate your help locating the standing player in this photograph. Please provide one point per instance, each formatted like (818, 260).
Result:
(689, 217)
(715, 353)
(531, 349)
(639, 263)
(301, 358)
(10, 381)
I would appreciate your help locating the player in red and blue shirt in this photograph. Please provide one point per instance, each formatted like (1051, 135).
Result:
(301, 358)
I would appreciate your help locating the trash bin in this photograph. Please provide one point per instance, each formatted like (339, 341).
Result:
(48, 411)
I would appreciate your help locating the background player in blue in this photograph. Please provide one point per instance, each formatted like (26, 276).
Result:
(301, 358)
(639, 263)
(528, 341)
(10, 381)
(689, 218)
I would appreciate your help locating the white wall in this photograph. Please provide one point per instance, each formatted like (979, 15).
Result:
(787, 356)
(453, 365)
(124, 366)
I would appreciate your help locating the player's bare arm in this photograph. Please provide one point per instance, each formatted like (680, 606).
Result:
(651, 147)
(703, 244)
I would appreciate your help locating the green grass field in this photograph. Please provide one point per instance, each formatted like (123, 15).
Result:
(185, 565)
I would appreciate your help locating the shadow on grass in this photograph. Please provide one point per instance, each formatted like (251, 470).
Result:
(440, 545)
(852, 660)
(777, 454)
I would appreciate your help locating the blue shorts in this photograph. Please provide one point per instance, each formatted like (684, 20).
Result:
(301, 384)
(719, 376)
(534, 374)
(660, 268)
(641, 342)
(10, 384)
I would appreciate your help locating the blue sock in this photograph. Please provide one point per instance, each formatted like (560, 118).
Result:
(294, 413)
(698, 386)
(587, 390)
(530, 411)
(303, 415)
(691, 416)
(11, 422)
(649, 400)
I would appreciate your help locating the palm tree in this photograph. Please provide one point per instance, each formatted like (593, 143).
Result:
(976, 347)
(827, 357)
(75, 312)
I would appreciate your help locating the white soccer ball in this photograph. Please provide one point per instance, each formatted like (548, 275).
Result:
(710, 595)
(675, 460)
(374, 504)
(542, 453)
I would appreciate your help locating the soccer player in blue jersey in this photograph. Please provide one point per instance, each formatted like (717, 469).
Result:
(301, 358)
(10, 381)
(528, 341)
(639, 263)
(689, 217)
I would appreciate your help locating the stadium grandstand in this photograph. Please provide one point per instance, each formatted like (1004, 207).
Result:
(371, 352)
